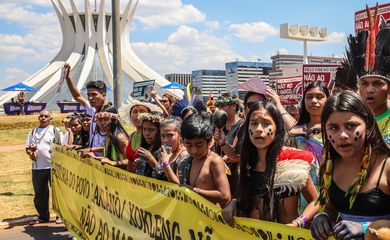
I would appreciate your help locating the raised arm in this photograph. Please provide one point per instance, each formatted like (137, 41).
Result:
(153, 93)
(288, 120)
(72, 88)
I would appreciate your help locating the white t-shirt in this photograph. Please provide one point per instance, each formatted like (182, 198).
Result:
(43, 138)
(96, 138)
(91, 112)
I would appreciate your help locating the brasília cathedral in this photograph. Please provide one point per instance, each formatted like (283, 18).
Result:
(87, 47)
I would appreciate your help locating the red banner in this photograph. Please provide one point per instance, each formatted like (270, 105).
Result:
(289, 89)
(318, 72)
(361, 19)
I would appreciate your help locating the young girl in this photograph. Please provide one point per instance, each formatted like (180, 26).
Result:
(307, 132)
(85, 123)
(271, 177)
(129, 113)
(355, 188)
(116, 138)
(150, 143)
(172, 150)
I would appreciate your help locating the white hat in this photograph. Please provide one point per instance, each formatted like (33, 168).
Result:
(124, 111)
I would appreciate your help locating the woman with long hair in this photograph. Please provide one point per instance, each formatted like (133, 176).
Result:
(129, 113)
(306, 134)
(355, 186)
(79, 135)
(271, 176)
(116, 139)
(150, 143)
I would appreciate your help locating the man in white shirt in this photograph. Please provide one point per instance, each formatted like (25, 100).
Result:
(38, 147)
(96, 91)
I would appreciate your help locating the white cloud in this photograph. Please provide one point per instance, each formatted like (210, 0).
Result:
(213, 24)
(253, 32)
(333, 38)
(13, 75)
(42, 38)
(282, 51)
(153, 13)
(185, 50)
(21, 14)
(12, 46)
(336, 38)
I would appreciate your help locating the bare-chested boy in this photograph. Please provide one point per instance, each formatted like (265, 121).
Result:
(203, 170)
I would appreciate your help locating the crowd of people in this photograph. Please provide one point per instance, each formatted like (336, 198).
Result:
(325, 168)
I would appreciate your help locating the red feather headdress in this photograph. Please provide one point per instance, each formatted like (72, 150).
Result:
(368, 54)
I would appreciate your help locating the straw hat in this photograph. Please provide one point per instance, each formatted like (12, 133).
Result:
(124, 111)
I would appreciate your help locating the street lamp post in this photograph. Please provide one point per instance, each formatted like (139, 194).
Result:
(116, 45)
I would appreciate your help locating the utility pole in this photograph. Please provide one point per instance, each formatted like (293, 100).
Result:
(116, 46)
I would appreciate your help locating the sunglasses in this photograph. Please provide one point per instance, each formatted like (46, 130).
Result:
(249, 105)
(44, 116)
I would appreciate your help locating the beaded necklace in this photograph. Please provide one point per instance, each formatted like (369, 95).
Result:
(35, 138)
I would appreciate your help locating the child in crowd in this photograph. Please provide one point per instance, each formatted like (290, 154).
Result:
(271, 177)
(172, 150)
(116, 139)
(355, 186)
(203, 170)
(150, 144)
(129, 113)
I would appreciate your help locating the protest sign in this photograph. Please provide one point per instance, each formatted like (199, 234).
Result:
(98, 201)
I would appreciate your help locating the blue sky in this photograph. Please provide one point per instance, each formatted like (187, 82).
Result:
(179, 35)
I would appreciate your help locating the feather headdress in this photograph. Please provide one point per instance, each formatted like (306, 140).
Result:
(189, 99)
(368, 54)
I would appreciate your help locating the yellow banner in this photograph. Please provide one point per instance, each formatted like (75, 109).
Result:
(98, 201)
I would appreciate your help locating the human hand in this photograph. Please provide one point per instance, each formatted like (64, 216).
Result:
(165, 154)
(348, 230)
(293, 224)
(86, 152)
(270, 93)
(321, 227)
(219, 136)
(145, 154)
(229, 212)
(66, 69)
(33, 155)
(153, 93)
(104, 160)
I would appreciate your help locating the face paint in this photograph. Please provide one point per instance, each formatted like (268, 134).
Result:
(269, 132)
(358, 136)
(250, 132)
(330, 138)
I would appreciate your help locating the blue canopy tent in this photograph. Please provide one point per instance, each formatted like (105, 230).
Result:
(20, 87)
(174, 85)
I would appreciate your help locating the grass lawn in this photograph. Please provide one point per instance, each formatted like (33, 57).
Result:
(16, 190)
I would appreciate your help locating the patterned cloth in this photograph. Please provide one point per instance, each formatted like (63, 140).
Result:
(384, 125)
(311, 143)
